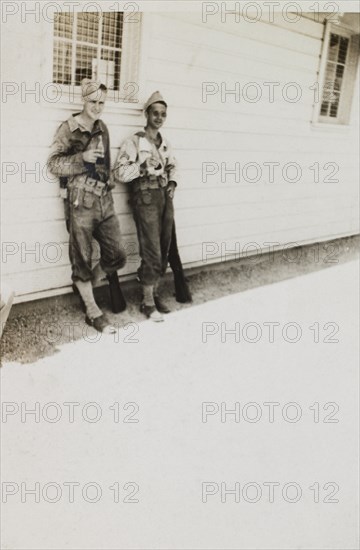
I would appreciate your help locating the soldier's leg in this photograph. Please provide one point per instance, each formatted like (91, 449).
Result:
(112, 252)
(81, 223)
(107, 233)
(148, 213)
(86, 292)
(167, 221)
(82, 220)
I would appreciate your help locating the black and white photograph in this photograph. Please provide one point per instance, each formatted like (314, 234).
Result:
(179, 299)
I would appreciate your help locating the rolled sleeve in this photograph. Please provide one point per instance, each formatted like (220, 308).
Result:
(127, 167)
(60, 163)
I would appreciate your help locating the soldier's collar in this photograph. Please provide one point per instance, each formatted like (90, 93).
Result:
(74, 124)
(142, 134)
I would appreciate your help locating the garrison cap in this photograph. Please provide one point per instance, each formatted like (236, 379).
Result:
(89, 86)
(156, 97)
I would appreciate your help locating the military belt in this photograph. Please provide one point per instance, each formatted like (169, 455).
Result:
(149, 182)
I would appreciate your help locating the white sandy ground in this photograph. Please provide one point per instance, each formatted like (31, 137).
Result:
(170, 452)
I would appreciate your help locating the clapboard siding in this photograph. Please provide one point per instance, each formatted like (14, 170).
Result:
(212, 58)
(181, 54)
(248, 198)
(194, 77)
(240, 216)
(306, 25)
(25, 227)
(226, 37)
(32, 284)
(52, 255)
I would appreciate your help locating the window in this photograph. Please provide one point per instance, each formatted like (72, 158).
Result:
(334, 75)
(87, 45)
(337, 75)
(90, 45)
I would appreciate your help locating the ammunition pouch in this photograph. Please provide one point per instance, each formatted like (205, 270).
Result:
(90, 185)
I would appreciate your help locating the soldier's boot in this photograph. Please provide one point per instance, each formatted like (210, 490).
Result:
(148, 304)
(159, 303)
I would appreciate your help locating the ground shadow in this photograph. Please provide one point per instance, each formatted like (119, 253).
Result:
(37, 329)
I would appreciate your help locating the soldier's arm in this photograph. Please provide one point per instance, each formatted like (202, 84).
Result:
(60, 162)
(127, 167)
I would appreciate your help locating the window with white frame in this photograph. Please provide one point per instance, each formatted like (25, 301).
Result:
(91, 45)
(338, 73)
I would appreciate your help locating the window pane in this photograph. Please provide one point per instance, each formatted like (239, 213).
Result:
(328, 91)
(84, 62)
(335, 105)
(63, 25)
(88, 27)
(344, 42)
(329, 82)
(112, 29)
(62, 62)
(337, 84)
(330, 72)
(324, 108)
(333, 47)
(339, 71)
(109, 68)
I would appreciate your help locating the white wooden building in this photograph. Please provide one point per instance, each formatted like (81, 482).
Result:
(264, 155)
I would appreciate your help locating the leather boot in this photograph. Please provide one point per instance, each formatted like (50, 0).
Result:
(160, 305)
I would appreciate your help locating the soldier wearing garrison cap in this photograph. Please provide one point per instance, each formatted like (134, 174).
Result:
(80, 157)
(147, 163)
(155, 97)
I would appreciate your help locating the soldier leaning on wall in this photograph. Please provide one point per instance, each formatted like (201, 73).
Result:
(80, 157)
(147, 163)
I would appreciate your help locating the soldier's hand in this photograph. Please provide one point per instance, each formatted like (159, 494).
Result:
(148, 166)
(91, 155)
(152, 162)
(171, 189)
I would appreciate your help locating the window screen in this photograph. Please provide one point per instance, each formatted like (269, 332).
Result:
(334, 75)
(87, 45)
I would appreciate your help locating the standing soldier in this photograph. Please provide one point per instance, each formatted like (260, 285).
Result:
(146, 162)
(80, 154)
